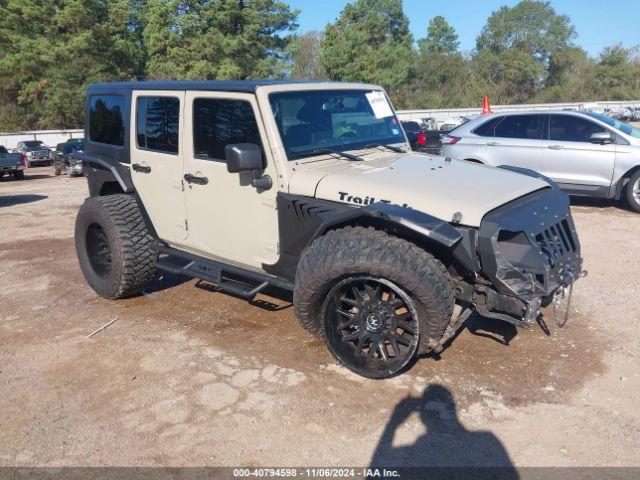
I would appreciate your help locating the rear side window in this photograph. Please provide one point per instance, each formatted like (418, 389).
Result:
(568, 128)
(106, 119)
(157, 124)
(519, 126)
(487, 129)
(220, 122)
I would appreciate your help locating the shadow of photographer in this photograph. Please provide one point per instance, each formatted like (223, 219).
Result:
(447, 447)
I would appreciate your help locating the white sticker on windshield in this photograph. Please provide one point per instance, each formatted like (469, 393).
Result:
(379, 104)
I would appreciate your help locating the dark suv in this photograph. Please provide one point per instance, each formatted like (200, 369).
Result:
(63, 160)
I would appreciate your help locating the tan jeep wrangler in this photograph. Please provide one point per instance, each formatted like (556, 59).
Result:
(312, 188)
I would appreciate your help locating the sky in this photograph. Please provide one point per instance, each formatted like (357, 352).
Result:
(598, 23)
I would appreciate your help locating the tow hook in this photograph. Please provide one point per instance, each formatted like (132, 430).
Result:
(560, 297)
(563, 296)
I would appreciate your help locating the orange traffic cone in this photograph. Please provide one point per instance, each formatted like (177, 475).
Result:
(486, 108)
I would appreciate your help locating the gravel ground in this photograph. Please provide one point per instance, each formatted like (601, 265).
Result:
(191, 376)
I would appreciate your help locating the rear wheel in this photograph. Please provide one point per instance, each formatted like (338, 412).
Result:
(117, 254)
(55, 170)
(633, 192)
(374, 298)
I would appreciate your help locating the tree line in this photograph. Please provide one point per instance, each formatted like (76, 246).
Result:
(50, 50)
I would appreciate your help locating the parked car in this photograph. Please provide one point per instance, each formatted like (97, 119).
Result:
(35, 152)
(309, 187)
(11, 163)
(585, 153)
(422, 140)
(63, 160)
(453, 122)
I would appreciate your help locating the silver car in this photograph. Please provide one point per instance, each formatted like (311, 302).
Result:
(586, 153)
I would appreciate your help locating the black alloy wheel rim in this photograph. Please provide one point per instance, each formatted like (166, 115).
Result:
(98, 250)
(371, 326)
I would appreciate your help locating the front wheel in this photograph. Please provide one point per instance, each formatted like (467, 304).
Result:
(375, 299)
(116, 253)
(18, 174)
(55, 170)
(632, 192)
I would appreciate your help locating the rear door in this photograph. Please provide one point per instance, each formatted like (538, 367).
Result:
(228, 217)
(572, 160)
(157, 159)
(517, 141)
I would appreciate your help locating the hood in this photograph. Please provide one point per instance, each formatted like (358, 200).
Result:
(433, 185)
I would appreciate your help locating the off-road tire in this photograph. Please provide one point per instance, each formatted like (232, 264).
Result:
(133, 250)
(18, 174)
(632, 201)
(366, 251)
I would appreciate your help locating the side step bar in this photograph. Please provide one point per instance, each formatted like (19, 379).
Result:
(229, 278)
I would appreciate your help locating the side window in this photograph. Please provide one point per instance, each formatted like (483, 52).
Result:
(487, 129)
(220, 122)
(157, 123)
(519, 126)
(106, 119)
(569, 128)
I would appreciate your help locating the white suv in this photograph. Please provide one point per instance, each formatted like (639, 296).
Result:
(311, 188)
(586, 153)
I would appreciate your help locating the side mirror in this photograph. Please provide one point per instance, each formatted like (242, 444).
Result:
(601, 138)
(243, 157)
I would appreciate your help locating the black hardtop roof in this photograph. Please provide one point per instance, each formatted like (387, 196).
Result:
(248, 86)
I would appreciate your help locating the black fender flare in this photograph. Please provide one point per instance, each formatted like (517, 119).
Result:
(102, 170)
(303, 219)
(530, 173)
(421, 223)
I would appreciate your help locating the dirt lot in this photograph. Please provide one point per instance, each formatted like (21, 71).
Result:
(190, 376)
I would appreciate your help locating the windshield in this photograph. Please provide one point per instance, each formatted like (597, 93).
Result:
(617, 124)
(309, 121)
(3, 150)
(71, 147)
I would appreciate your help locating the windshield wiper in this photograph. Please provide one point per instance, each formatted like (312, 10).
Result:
(393, 148)
(348, 156)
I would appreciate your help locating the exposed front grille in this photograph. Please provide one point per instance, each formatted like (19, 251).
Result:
(530, 240)
(556, 242)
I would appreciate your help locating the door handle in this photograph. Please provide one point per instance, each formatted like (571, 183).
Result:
(141, 168)
(555, 147)
(197, 180)
(493, 144)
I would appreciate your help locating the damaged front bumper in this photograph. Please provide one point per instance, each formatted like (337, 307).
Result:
(529, 251)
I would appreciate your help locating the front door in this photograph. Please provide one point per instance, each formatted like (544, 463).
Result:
(228, 218)
(572, 160)
(156, 160)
